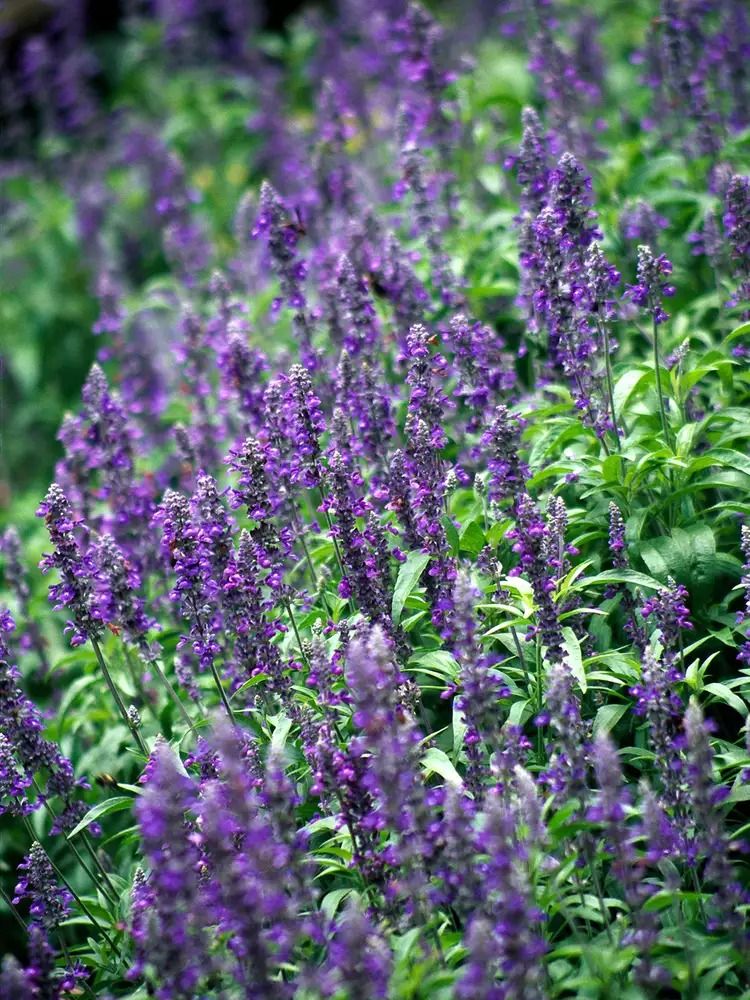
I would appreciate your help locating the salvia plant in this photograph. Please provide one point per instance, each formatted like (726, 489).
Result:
(382, 627)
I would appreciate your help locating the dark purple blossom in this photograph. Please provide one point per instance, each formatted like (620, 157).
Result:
(658, 700)
(302, 423)
(361, 328)
(49, 902)
(366, 577)
(643, 224)
(21, 727)
(485, 372)
(651, 287)
(252, 869)
(501, 442)
(737, 228)
(744, 614)
(359, 960)
(709, 837)
(610, 810)
(532, 164)
(503, 939)
(670, 612)
(181, 545)
(567, 93)
(16, 579)
(481, 689)
(77, 570)
(426, 224)
(389, 734)
(247, 618)
(117, 587)
(567, 774)
(13, 783)
(193, 351)
(530, 536)
(281, 231)
(41, 978)
(362, 396)
(242, 373)
(170, 916)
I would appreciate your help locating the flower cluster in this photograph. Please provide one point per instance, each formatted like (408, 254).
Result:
(364, 532)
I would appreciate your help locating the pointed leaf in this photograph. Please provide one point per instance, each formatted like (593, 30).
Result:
(408, 577)
(574, 658)
(436, 761)
(116, 804)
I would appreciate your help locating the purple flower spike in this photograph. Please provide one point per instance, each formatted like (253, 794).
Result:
(359, 958)
(709, 838)
(737, 229)
(76, 568)
(530, 539)
(651, 287)
(171, 935)
(50, 903)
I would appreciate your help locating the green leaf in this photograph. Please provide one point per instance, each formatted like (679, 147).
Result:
(436, 761)
(731, 459)
(116, 804)
(740, 793)
(408, 577)
(472, 538)
(281, 731)
(743, 330)
(517, 713)
(333, 900)
(253, 682)
(459, 729)
(725, 694)
(626, 386)
(607, 718)
(451, 534)
(438, 660)
(617, 576)
(575, 660)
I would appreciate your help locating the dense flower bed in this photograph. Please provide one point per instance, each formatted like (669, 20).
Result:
(396, 552)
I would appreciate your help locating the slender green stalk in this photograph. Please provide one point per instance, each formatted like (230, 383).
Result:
(517, 644)
(297, 636)
(137, 685)
(113, 898)
(118, 699)
(659, 391)
(177, 701)
(214, 672)
(222, 692)
(610, 385)
(539, 696)
(599, 895)
(11, 906)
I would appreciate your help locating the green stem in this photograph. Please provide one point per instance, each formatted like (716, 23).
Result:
(118, 699)
(137, 685)
(9, 903)
(113, 898)
(659, 392)
(517, 644)
(610, 386)
(297, 636)
(222, 692)
(539, 697)
(168, 687)
(599, 894)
